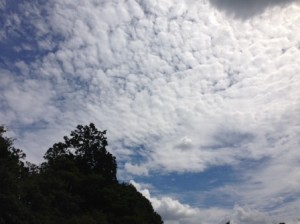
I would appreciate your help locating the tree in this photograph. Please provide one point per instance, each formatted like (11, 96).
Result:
(87, 149)
(76, 184)
(81, 183)
(12, 174)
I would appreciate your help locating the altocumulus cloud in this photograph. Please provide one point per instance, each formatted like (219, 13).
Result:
(179, 85)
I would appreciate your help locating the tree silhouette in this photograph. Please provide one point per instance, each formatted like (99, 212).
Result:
(87, 146)
(12, 174)
(76, 184)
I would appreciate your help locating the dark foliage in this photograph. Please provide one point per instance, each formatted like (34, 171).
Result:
(76, 184)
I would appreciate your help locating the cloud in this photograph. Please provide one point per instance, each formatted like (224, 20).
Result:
(247, 9)
(174, 212)
(195, 88)
(2, 4)
(170, 209)
(248, 216)
(136, 170)
(174, 77)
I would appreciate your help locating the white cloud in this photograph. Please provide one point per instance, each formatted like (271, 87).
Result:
(174, 212)
(136, 170)
(170, 209)
(248, 216)
(196, 88)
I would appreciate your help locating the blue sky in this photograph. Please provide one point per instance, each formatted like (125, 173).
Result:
(201, 99)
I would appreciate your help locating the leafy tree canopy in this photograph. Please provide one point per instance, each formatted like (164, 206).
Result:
(77, 183)
(87, 149)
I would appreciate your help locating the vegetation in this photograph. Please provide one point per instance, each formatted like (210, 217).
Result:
(77, 183)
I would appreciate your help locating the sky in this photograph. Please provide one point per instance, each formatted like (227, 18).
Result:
(200, 98)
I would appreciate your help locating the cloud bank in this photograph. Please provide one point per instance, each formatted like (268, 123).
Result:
(173, 212)
(180, 86)
(242, 9)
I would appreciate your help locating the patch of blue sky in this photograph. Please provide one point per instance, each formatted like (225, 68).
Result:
(203, 188)
(139, 157)
(78, 83)
(20, 41)
(195, 188)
